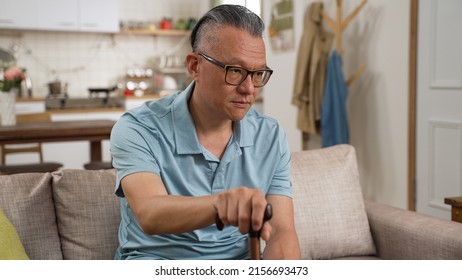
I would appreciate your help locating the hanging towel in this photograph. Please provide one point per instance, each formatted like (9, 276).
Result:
(334, 122)
(313, 52)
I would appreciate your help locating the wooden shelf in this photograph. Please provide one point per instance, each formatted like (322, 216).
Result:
(174, 70)
(146, 32)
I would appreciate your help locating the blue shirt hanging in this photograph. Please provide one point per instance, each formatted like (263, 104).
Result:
(334, 119)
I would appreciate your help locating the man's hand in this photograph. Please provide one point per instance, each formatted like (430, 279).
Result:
(244, 208)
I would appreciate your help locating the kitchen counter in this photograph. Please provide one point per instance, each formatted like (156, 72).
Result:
(37, 104)
(26, 105)
(33, 105)
(29, 99)
(146, 97)
(86, 110)
(93, 131)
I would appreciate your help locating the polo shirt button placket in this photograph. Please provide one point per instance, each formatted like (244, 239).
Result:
(218, 184)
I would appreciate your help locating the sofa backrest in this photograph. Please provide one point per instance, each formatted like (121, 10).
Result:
(67, 214)
(74, 214)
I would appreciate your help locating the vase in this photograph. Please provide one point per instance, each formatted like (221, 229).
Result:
(7, 108)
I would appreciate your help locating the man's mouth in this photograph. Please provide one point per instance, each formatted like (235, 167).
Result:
(242, 101)
(241, 104)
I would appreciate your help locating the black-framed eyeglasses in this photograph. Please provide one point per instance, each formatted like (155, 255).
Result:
(235, 75)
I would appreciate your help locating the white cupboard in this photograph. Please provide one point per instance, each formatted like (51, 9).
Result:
(98, 16)
(18, 14)
(60, 15)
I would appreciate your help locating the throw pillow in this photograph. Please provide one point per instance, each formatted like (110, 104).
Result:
(88, 230)
(10, 246)
(330, 215)
(27, 200)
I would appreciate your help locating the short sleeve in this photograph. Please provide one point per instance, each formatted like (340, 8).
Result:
(133, 149)
(280, 183)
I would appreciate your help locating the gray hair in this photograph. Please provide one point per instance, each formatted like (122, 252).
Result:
(225, 15)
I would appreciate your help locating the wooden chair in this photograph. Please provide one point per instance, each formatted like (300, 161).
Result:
(41, 166)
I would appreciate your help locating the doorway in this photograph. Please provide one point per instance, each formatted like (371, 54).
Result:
(435, 100)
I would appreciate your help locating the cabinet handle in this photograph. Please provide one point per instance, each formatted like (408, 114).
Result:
(6, 21)
(66, 23)
(90, 24)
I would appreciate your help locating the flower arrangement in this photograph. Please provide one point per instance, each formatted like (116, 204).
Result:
(11, 77)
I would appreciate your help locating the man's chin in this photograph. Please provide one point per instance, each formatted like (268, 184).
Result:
(238, 116)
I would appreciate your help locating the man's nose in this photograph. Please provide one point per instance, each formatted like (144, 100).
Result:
(247, 87)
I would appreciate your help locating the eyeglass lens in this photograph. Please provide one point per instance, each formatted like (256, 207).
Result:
(236, 75)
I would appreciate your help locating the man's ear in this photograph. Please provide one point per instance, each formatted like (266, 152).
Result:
(192, 64)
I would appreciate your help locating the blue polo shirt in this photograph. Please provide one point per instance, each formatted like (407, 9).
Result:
(160, 137)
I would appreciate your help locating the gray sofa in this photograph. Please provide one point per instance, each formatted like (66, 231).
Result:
(74, 214)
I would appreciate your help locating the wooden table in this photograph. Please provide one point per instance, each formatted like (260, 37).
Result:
(456, 208)
(93, 131)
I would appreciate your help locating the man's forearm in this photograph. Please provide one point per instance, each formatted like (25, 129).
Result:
(176, 214)
(283, 241)
(282, 246)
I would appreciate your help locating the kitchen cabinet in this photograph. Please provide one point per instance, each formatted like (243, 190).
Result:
(60, 15)
(98, 16)
(18, 14)
(29, 105)
(156, 32)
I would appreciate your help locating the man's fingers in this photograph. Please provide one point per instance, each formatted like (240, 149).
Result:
(258, 210)
(242, 207)
(245, 213)
(265, 232)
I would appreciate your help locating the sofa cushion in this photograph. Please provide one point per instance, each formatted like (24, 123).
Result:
(11, 247)
(27, 202)
(87, 230)
(330, 215)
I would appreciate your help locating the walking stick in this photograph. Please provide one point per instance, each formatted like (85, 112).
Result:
(254, 236)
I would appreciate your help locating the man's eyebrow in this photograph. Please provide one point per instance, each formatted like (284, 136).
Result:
(241, 63)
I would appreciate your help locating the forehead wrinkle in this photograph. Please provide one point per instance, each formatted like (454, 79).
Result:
(244, 50)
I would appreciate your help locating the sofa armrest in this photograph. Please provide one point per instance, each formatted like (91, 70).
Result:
(402, 234)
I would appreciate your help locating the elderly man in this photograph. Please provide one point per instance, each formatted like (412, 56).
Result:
(204, 153)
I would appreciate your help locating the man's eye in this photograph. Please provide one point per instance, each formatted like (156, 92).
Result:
(235, 70)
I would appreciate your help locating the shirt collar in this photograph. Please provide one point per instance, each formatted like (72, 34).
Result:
(244, 133)
(185, 132)
(186, 140)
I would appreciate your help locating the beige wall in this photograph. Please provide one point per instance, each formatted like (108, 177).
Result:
(378, 100)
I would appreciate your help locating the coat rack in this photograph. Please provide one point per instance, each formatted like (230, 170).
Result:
(338, 26)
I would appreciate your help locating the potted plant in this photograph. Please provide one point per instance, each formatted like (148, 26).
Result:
(10, 83)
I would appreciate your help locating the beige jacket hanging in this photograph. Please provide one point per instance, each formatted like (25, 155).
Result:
(310, 71)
